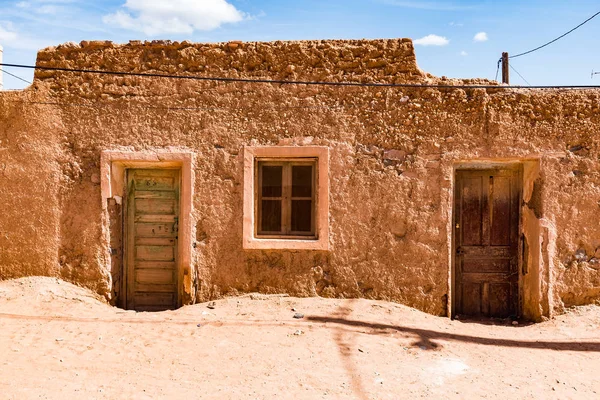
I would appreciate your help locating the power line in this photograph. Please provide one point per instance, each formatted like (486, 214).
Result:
(15, 76)
(247, 80)
(513, 68)
(284, 82)
(560, 37)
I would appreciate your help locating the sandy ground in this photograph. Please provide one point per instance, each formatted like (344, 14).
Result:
(58, 341)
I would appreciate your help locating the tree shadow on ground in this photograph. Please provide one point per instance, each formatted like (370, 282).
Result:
(346, 347)
(427, 337)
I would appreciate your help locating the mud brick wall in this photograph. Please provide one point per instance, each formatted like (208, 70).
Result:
(392, 152)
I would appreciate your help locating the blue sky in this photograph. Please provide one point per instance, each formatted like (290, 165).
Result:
(448, 29)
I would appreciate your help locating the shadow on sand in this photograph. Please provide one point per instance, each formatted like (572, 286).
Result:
(428, 336)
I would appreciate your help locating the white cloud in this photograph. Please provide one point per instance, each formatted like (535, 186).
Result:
(480, 37)
(47, 7)
(464, 53)
(9, 37)
(7, 34)
(432, 40)
(155, 17)
(457, 24)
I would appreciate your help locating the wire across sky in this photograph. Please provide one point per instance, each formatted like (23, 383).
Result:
(296, 82)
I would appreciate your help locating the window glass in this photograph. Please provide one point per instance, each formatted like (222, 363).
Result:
(271, 216)
(301, 216)
(302, 180)
(271, 180)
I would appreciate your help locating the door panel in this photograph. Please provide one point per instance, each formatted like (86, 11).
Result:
(471, 293)
(486, 221)
(485, 265)
(154, 206)
(499, 297)
(155, 276)
(152, 229)
(500, 194)
(472, 211)
(155, 229)
(152, 301)
(153, 182)
(155, 253)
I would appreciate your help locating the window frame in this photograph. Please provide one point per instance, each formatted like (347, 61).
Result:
(319, 156)
(286, 197)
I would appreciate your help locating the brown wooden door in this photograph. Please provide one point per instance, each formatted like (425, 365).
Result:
(151, 239)
(486, 242)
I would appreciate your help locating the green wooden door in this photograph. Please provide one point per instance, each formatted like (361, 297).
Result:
(151, 239)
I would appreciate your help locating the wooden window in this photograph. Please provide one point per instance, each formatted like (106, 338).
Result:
(286, 198)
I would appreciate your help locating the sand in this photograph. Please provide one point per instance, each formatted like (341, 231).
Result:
(59, 341)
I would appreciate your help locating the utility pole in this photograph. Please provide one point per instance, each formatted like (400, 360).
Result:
(505, 77)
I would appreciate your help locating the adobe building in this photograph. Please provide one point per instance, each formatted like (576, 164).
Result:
(160, 192)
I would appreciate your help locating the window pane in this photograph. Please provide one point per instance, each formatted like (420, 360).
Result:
(271, 216)
(301, 215)
(302, 180)
(271, 180)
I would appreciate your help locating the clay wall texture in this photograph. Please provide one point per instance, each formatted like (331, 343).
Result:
(392, 154)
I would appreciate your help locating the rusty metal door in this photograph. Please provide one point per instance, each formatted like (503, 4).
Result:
(486, 242)
(151, 228)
